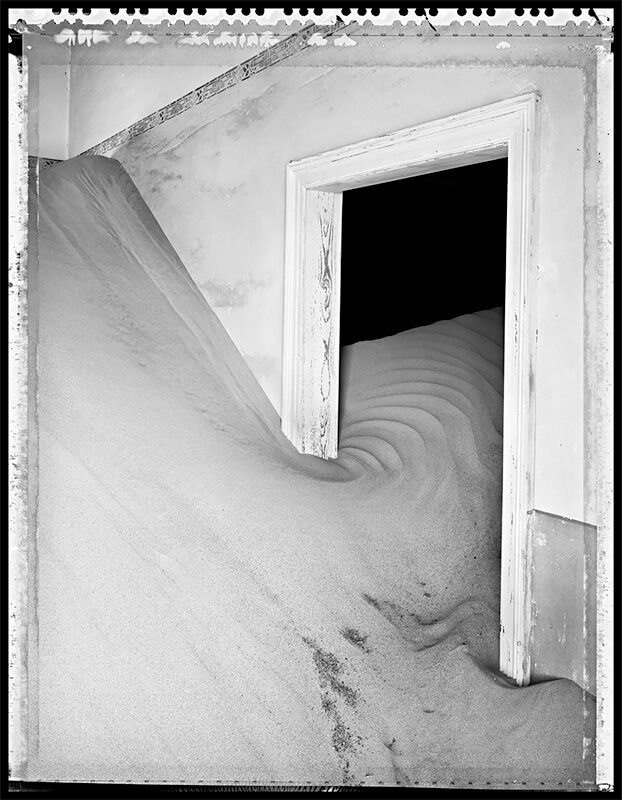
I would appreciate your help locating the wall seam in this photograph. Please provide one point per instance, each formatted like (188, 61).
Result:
(68, 123)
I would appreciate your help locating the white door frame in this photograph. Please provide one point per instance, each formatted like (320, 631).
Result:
(312, 303)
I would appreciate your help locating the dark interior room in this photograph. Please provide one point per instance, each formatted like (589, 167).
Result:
(422, 249)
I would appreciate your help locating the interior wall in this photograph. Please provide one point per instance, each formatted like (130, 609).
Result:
(222, 165)
(79, 94)
(105, 99)
(48, 69)
(564, 600)
(392, 228)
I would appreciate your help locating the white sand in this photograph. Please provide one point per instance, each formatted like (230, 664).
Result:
(214, 606)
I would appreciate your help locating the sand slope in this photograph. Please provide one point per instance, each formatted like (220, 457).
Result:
(215, 606)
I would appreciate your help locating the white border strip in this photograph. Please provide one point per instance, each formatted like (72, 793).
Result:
(605, 562)
(271, 16)
(18, 420)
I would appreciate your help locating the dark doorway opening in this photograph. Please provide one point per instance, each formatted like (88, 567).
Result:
(422, 249)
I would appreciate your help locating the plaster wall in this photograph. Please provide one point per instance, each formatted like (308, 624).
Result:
(564, 600)
(107, 98)
(222, 165)
(79, 95)
(48, 97)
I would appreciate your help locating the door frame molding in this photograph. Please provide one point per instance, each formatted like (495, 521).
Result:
(310, 389)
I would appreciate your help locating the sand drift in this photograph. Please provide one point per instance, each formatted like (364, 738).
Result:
(213, 605)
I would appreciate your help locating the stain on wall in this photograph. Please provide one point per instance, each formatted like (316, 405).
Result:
(229, 295)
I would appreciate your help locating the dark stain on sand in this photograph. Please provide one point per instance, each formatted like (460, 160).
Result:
(419, 633)
(356, 638)
(329, 668)
(332, 687)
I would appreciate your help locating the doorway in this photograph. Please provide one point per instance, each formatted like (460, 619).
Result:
(444, 232)
(312, 297)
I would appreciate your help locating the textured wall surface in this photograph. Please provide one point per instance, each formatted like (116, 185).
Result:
(223, 165)
(564, 596)
(48, 97)
(96, 113)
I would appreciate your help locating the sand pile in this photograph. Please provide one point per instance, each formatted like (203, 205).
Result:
(214, 606)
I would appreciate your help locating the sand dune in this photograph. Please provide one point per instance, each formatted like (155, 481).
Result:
(214, 606)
